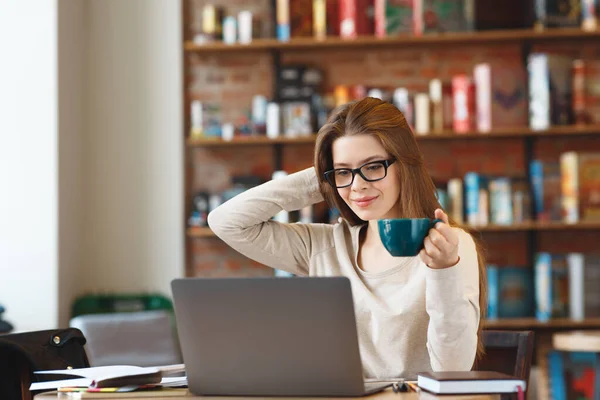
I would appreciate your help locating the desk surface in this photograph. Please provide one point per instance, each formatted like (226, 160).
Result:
(387, 394)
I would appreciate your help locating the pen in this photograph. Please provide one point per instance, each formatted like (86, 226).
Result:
(413, 386)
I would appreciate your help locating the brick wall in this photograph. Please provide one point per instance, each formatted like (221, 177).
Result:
(232, 80)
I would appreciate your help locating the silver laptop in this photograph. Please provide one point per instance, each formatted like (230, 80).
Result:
(269, 337)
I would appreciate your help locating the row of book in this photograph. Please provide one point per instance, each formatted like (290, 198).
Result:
(479, 200)
(566, 191)
(558, 286)
(561, 91)
(349, 19)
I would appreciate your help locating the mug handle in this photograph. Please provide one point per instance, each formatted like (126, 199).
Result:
(433, 222)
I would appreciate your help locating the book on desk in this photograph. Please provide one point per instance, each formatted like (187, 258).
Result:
(119, 377)
(470, 382)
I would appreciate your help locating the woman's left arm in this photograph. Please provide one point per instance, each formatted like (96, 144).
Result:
(451, 297)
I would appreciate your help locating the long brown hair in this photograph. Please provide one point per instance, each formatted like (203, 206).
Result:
(418, 198)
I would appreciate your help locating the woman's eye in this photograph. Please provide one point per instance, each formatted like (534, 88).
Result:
(342, 173)
(374, 167)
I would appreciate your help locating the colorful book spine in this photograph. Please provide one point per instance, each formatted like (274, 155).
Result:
(575, 263)
(592, 285)
(521, 200)
(515, 292)
(283, 20)
(447, 105)
(332, 14)
(539, 91)
(545, 180)
(380, 20)
(569, 171)
(560, 70)
(483, 90)
(348, 11)
(556, 375)
(579, 92)
(543, 287)
(422, 114)
(463, 101)
(301, 18)
(493, 291)
(402, 101)
(589, 16)
(394, 17)
(501, 210)
(447, 15)
(473, 186)
(437, 108)
(580, 184)
(455, 199)
(319, 19)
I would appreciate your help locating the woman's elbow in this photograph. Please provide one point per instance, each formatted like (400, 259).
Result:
(216, 221)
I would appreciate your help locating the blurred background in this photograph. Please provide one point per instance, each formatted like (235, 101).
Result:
(124, 122)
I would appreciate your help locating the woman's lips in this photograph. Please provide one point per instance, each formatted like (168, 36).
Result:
(364, 201)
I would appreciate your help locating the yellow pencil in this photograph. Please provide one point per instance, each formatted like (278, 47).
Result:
(413, 386)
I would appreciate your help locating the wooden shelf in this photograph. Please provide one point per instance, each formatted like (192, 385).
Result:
(532, 323)
(480, 37)
(203, 232)
(519, 132)
(538, 226)
(200, 232)
(568, 130)
(249, 141)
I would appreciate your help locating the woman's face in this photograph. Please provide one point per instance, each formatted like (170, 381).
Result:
(369, 200)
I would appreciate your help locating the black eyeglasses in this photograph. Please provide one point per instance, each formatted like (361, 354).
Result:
(370, 172)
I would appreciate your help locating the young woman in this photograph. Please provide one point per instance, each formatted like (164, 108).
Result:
(414, 314)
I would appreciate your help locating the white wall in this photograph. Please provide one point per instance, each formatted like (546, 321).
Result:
(133, 147)
(72, 67)
(28, 163)
(91, 153)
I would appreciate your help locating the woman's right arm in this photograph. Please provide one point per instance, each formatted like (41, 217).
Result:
(245, 224)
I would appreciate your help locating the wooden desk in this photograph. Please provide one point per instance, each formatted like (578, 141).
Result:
(387, 394)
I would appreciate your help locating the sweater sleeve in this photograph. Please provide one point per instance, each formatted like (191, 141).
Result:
(244, 222)
(452, 302)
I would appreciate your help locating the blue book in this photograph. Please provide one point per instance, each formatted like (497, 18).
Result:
(474, 184)
(545, 184)
(515, 292)
(558, 391)
(493, 292)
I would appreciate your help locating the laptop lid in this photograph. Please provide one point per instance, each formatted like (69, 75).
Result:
(268, 336)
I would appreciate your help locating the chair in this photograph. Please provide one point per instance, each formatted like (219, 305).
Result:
(142, 338)
(509, 352)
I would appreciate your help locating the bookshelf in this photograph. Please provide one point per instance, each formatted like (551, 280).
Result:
(278, 52)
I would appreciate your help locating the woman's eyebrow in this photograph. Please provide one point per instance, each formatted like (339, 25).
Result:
(366, 160)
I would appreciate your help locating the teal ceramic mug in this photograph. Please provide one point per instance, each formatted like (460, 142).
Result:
(403, 237)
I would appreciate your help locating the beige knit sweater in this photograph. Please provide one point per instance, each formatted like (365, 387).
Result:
(410, 318)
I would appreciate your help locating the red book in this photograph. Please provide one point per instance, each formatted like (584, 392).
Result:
(301, 18)
(355, 18)
(579, 92)
(463, 104)
(333, 17)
